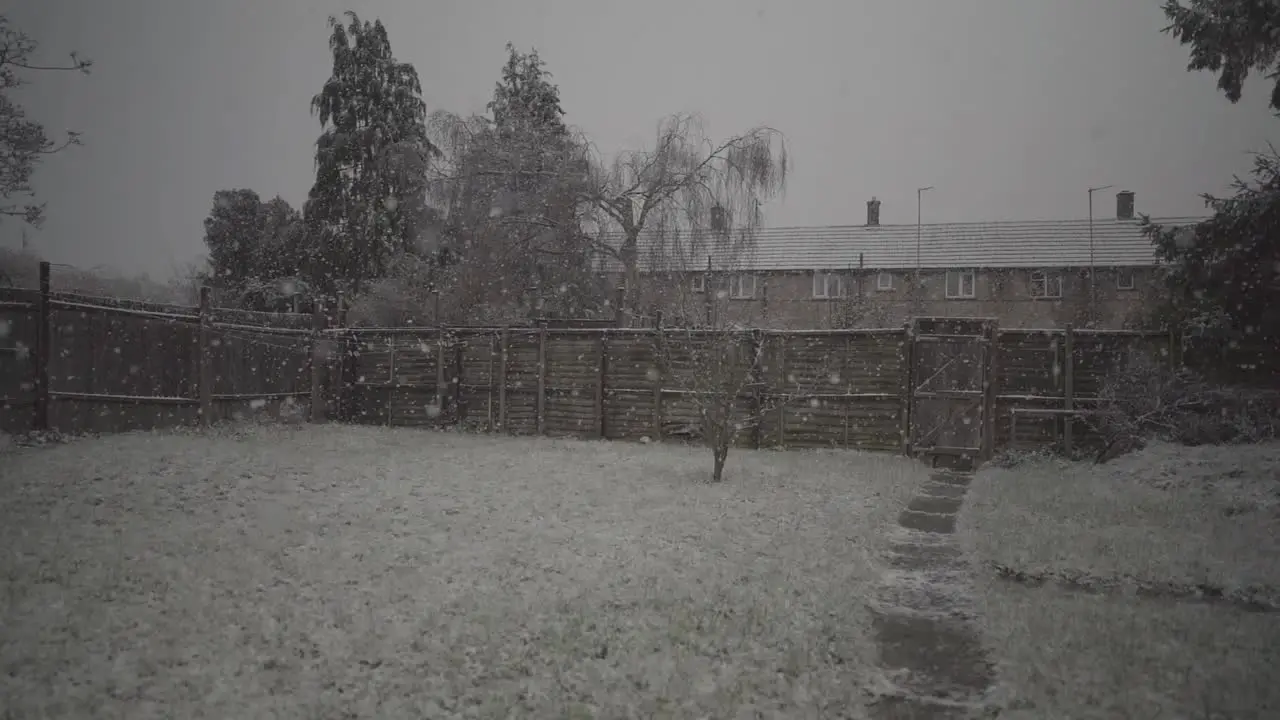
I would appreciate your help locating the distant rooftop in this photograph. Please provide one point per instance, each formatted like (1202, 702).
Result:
(1012, 244)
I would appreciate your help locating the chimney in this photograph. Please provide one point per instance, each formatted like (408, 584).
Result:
(873, 212)
(1124, 205)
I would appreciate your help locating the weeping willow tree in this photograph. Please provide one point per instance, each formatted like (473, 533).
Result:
(686, 198)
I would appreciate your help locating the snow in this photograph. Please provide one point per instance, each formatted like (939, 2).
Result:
(323, 571)
(1189, 515)
(1166, 514)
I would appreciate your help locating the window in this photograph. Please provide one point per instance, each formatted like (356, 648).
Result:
(960, 285)
(827, 286)
(699, 283)
(742, 287)
(1046, 285)
(1125, 279)
(884, 281)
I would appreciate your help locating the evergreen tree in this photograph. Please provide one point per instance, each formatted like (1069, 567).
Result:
(374, 127)
(1223, 275)
(233, 233)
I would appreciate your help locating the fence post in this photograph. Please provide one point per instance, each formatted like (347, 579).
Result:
(204, 378)
(848, 385)
(659, 369)
(317, 362)
(989, 389)
(342, 349)
(782, 380)
(602, 366)
(757, 379)
(502, 378)
(440, 395)
(44, 342)
(459, 407)
(1068, 389)
(906, 356)
(541, 419)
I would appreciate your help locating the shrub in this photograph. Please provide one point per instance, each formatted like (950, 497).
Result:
(1151, 399)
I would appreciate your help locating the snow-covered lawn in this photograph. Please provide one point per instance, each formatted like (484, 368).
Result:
(1166, 516)
(366, 572)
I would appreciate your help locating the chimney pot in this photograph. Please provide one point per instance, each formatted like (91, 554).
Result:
(1124, 205)
(873, 212)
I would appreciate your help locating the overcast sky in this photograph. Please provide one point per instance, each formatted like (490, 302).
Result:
(1011, 108)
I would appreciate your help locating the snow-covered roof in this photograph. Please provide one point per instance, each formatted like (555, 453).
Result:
(1013, 244)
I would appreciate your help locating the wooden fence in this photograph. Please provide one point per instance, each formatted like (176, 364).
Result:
(841, 388)
(77, 363)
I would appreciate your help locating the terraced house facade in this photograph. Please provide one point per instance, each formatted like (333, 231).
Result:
(1027, 274)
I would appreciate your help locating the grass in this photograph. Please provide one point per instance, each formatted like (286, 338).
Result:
(1167, 514)
(346, 571)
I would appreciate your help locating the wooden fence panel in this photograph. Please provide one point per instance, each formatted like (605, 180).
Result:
(572, 381)
(629, 400)
(1030, 367)
(522, 382)
(416, 395)
(477, 355)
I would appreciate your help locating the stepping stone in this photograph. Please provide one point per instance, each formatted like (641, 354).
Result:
(916, 708)
(958, 479)
(904, 556)
(944, 490)
(939, 505)
(927, 599)
(927, 522)
(942, 657)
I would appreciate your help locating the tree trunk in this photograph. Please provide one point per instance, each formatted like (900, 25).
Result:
(629, 254)
(720, 453)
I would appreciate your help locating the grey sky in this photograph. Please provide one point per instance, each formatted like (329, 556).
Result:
(1010, 107)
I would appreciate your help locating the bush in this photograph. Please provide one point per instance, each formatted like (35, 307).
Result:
(1151, 399)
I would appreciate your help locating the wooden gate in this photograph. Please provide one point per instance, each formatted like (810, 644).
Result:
(952, 400)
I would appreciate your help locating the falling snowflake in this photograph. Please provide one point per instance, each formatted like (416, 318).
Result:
(815, 402)
(834, 378)
(5, 328)
(257, 404)
(432, 409)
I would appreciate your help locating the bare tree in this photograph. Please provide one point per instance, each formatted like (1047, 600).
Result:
(24, 143)
(712, 357)
(682, 186)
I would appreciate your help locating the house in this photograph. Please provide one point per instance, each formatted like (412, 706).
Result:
(1027, 274)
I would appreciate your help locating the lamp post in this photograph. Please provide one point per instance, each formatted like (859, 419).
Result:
(1093, 284)
(919, 195)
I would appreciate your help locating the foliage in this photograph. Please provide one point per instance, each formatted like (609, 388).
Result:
(1148, 398)
(233, 233)
(1223, 275)
(367, 202)
(24, 143)
(1231, 38)
(509, 190)
(257, 250)
(690, 196)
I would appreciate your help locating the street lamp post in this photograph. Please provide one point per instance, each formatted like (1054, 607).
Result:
(1093, 284)
(919, 195)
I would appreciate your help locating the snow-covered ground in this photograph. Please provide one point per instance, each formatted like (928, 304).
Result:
(366, 572)
(1167, 516)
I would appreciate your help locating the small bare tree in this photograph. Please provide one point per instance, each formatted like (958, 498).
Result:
(684, 184)
(716, 361)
